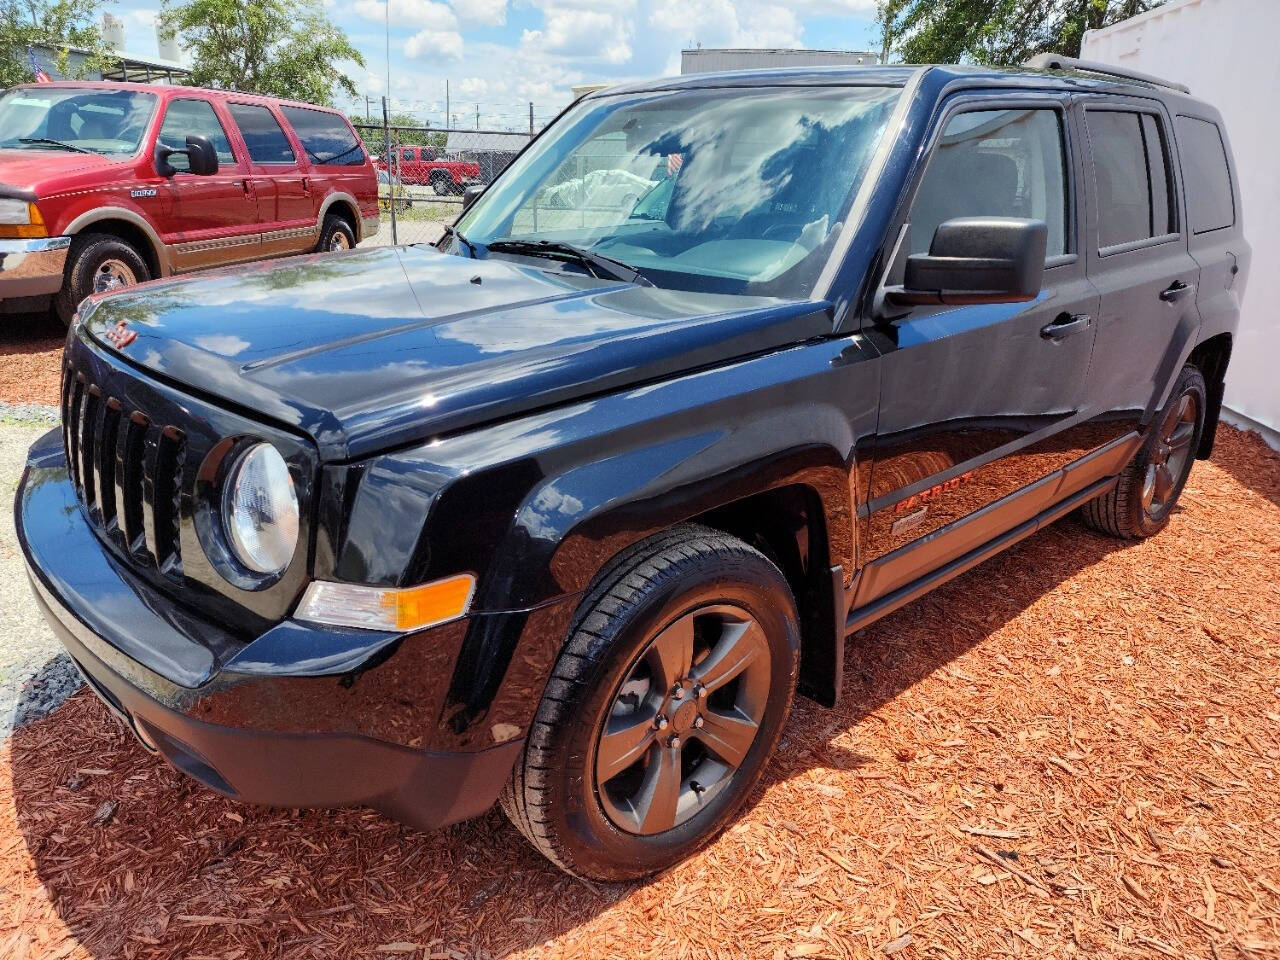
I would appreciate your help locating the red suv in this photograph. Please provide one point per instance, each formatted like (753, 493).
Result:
(104, 185)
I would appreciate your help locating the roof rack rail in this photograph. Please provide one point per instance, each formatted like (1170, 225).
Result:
(1051, 61)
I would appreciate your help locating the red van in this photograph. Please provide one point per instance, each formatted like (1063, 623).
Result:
(104, 185)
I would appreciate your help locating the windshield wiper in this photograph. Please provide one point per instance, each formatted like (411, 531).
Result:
(604, 267)
(55, 143)
(471, 247)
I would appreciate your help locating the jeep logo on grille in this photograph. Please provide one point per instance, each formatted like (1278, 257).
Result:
(120, 335)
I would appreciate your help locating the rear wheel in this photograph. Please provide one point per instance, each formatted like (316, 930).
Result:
(97, 263)
(1142, 501)
(663, 708)
(335, 234)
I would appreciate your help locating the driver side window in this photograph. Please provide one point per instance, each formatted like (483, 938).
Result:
(186, 118)
(998, 163)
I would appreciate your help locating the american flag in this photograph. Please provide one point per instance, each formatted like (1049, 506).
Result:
(674, 162)
(40, 75)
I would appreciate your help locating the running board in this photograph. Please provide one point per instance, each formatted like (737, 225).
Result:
(890, 602)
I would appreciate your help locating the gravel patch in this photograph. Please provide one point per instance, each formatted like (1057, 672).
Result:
(28, 415)
(35, 674)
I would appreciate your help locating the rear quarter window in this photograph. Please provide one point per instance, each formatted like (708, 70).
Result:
(1210, 204)
(325, 137)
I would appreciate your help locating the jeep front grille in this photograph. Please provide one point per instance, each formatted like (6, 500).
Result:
(127, 472)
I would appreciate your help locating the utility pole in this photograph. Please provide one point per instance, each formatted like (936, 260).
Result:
(531, 118)
(448, 117)
(391, 184)
(366, 108)
(477, 116)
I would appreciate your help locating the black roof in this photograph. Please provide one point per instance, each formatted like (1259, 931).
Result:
(893, 75)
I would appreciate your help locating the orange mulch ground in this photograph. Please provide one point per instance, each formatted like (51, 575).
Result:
(30, 358)
(1071, 750)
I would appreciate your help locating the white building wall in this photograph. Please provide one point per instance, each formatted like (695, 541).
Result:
(1225, 51)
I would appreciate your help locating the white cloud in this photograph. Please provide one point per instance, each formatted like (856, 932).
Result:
(583, 34)
(484, 13)
(473, 86)
(716, 23)
(434, 43)
(423, 14)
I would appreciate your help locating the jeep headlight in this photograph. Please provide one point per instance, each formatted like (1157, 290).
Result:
(260, 510)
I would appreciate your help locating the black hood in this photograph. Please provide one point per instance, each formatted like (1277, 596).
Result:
(381, 347)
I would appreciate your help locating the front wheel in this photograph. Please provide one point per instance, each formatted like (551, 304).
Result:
(1141, 502)
(663, 709)
(97, 263)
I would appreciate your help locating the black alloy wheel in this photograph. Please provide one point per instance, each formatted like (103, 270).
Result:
(683, 720)
(663, 708)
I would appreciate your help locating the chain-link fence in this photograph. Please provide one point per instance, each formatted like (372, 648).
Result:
(422, 176)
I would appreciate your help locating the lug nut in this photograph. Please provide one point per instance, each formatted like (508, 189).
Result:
(700, 692)
(677, 693)
(673, 741)
(698, 722)
(660, 722)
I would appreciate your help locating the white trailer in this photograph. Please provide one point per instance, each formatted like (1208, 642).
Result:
(1224, 50)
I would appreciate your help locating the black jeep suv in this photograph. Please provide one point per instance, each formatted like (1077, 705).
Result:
(564, 511)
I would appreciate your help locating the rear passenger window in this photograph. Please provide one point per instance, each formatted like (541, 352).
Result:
(262, 134)
(1131, 176)
(325, 137)
(998, 163)
(185, 118)
(1210, 205)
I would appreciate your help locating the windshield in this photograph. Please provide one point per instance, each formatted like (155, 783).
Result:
(726, 190)
(93, 121)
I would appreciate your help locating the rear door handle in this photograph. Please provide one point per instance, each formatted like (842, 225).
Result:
(1174, 291)
(1066, 324)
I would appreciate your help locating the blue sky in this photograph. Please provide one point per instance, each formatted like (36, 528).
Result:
(502, 54)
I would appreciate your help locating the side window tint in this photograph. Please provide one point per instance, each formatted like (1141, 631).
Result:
(1162, 205)
(407, 154)
(184, 118)
(262, 134)
(1210, 205)
(325, 137)
(1130, 175)
(999, 163)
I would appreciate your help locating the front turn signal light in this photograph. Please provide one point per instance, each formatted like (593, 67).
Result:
(21, 221)
(396, 609)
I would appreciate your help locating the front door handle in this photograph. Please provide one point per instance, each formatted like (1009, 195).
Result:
(1065, 324)
(1174, 291)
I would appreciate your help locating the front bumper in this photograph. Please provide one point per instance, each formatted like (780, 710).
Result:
(32, 268)
(271, 721)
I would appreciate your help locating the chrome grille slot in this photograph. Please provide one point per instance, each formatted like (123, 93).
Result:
(127, 472)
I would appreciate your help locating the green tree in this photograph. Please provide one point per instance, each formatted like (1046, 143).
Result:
(56, 25)
(286, 48)
(995, 32)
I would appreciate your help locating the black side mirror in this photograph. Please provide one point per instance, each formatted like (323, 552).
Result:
(471, 194)
(202, 159)
(977, 260)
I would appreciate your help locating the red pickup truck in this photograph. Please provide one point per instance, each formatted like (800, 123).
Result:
(422, 165)
(108, 184)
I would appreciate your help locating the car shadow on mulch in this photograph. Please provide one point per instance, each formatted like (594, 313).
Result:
(141, 861)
